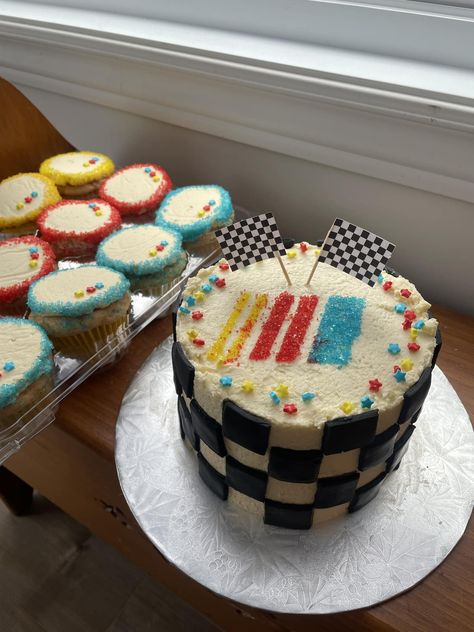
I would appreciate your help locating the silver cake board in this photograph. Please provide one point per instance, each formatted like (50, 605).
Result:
(354, 562)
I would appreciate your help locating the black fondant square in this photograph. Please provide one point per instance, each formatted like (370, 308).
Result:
(415, 396)
(215, 481)
(379, 449)
(401, 446)
(294, 466)
(366, 493)
(287, 515)
(187, 424)
(242, 427)
(246, 480)
(335, 490)
(347, 433)
(183, 369)
(437, 349)
(208, 429)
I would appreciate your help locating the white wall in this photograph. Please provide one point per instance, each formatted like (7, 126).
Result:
(434, 234)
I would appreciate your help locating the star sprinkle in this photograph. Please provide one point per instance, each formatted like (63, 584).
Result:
(410, 315)
(213, 278)
(400, 308)
(393, 348)
(224, 265)
(9, 366)
(291, 254)
(347, 407)
(282, 390)
(303, 246)
(99, 285)
(78, 293)
(198, 295)
(387, 285)
(399, 376)
(419, 324)
(199, 342)
(206, 288)
(192, 333)
(225, 380)
(380, 279)
(413, 333)
(247, 386)
(196, 315)
(366, 402)
(406, 364)
(375, 385)
(184, 310)
(191, 301)
(405, 293)
(33, 263)
(220, 283)
(413, 346)
(290, 409)
(307, 396)
(274, 397)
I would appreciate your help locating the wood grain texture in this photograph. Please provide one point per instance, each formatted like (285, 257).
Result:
(27, 137)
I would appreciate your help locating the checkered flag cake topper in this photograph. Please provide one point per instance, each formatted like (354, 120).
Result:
(250, 240)
(356, 251)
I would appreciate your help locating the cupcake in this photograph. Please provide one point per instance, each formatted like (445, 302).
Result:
(74, 228)
(81, 308)
(23, 260)
(78, 174)
(196, 211)
(26, 368)
(136, 189)
(150, 256)
(24, 196)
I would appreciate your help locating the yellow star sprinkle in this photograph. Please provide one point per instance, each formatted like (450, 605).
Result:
(78, 293)
(98, 213)
(156, 178)
(406, 364)
(291, 253)
(152, 253)
(281, 390)
(199, 295)
(247, 386)
(201, 213)
(413, 333)
(33, 264)
(20, 205)
(317, 251)
(85, 164)
(192, 333)
(347, 407)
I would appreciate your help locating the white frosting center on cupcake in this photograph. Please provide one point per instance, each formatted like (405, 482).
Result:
(134, 245)
(20, 345)
(74, 162)
(15, 262)
(133, 185)
(189, 205)
(79, 218)
(20, 191)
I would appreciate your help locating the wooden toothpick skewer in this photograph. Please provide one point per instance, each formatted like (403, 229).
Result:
(283, 269)
(312, 271)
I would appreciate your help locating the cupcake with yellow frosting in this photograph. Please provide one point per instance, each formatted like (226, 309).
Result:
(24, 196)
(78, 174)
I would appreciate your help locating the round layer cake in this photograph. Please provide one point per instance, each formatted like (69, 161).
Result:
(299, 400)
(24, 196)
(196, 211)
(23, 260)
(136, 189)
(77, 173)
(75, 227)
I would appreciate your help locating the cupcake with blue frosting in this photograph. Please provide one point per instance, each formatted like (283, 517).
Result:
(196, 212)
(26, 368)
(150, 256)
(81, 308)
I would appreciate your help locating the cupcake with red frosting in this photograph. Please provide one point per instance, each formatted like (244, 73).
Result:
(23, 260)
(74, 228)
(136, 189)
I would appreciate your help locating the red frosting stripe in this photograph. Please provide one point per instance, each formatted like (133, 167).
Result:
(296, 332)
(46, 264)
(272, 326)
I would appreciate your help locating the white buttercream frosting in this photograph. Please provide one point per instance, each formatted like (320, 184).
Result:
(183, 206)
(134, 246)
(332, 384)
(78, 218)
(14, 192)
(132, 185)
(20, 345)
(73, 162)
(15, 262)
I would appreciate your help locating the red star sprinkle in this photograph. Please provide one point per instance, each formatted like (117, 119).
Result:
(197, 315)
(160, 247)
(220, 282)
(92, 161)
(413, 346)
(34, 255)
(405, 293)
(387, 285)
(224, 266)
(28, 199)
(90, 289)
(206, 208)
(396, 368)
(198, 342)
(406, 324)
(409, 315)
(291, 409)
(303, 246)
(375, 385)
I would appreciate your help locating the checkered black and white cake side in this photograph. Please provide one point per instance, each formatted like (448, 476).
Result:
(356, 251)
(250, 240)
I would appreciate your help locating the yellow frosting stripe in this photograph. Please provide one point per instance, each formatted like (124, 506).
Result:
(217, 348)
(246, 329)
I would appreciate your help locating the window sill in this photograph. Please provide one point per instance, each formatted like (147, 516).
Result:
(405, 122)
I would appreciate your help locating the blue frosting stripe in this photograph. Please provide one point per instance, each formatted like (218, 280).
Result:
(76, 307)
(41, 365)
(148, 265)
(221, 213)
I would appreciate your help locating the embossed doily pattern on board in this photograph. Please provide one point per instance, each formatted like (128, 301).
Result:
(362, 559)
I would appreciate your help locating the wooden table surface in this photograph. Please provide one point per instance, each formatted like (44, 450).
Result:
(443, 601)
